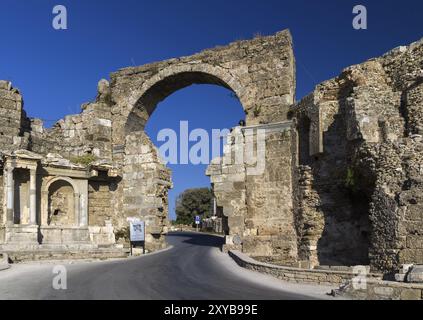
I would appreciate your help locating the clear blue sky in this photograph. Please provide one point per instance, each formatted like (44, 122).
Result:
(58, 70)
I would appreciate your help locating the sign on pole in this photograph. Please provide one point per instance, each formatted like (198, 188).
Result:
(197, 222)
(137, 233)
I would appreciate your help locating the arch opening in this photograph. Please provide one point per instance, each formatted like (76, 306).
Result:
(160, 90)
(172, 99)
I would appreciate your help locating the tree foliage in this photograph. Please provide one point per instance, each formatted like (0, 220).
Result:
(193, 202)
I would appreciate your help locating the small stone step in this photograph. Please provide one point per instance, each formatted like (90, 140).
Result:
(416, 274)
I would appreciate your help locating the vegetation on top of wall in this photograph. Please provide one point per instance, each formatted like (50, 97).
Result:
(84, 160)
(351, 180)
(257, 111)
(122, 234)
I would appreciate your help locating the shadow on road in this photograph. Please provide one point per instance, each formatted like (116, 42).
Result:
(199, 239)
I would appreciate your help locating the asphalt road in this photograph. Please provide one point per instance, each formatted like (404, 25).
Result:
(193, 269)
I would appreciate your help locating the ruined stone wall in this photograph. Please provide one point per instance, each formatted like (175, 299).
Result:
(228, 175)
(365, 162)
(89, 132)
(145, 185)
(333, 224)
(76, 135)
(402, 186)
(13, 121)
(13, 131)
(100, 207)
(103, 219)
(270, 219)
(256, 194)
(309, 221)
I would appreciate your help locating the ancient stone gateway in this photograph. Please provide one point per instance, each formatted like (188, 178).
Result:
(261, 73)
(340, 185)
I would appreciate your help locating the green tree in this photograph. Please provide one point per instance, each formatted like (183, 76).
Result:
(193, 202)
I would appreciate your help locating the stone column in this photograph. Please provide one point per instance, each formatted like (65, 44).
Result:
(44, 208)
(33, 197)
(10, 196)
(83, 211)
(77, 209)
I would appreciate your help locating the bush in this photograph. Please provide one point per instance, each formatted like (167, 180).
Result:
(350, 180)
(122, 234)
(84, 160)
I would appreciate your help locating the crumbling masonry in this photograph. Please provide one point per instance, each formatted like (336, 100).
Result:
(343, 168)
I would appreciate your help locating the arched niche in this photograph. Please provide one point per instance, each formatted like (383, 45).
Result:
(61, 203)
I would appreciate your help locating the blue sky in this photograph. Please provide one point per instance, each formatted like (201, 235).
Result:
(58, 70)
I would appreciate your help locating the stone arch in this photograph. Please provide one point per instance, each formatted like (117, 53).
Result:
(144, 101)
(46, 184)
(142, 164)
(260, 72)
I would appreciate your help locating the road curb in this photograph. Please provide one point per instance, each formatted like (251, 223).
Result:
(199, 232)
(150, 254)
(4, 261)
(4, 266)
(297, 275)
(70, 261)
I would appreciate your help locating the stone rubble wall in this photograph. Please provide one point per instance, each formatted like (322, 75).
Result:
(367, 150)
(13, 131)
(309, 222)
(146, 182)
(332, 228)
(14, 123)
(89, 132)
